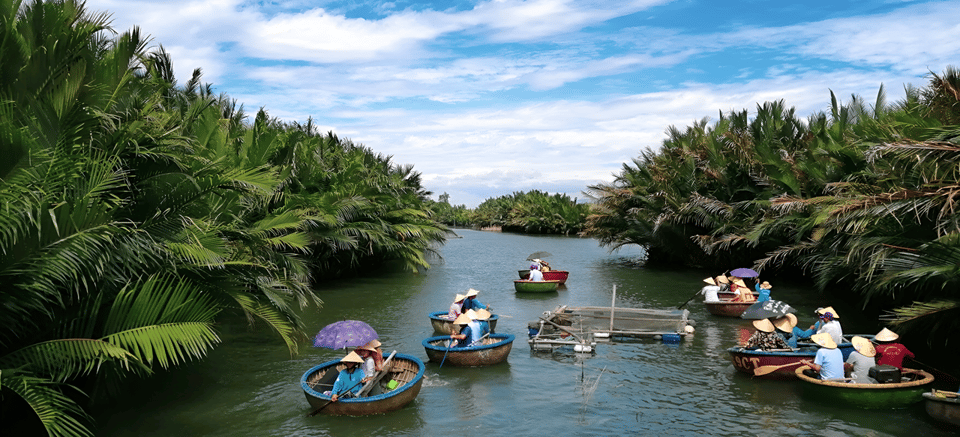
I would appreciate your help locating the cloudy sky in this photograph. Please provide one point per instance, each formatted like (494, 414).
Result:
(486, 98)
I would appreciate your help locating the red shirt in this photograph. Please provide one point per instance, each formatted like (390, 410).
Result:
(892, 354)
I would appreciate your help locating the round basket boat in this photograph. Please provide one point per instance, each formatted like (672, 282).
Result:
(868, 396)
(442, 325)
(943, 408)
(523, 286)
(727, 309)
(494, 350)
(405, 370)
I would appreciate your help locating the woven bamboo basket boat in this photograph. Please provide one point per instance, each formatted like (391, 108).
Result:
(493, 350)
(406, 370)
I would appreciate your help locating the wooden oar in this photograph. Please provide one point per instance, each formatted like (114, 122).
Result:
(763, 370)
(449, 346)
(948, 394)
(688, 300)
(479, 340)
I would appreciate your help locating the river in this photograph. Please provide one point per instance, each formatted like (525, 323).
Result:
(249, 385)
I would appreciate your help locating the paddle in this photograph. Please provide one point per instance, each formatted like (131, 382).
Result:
(688, 300)
(318, 410)
(383, 371)
(763, 370)
(449, 346)
(479, 340)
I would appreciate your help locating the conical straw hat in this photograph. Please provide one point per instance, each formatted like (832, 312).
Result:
(461, 320)
(824, 339)
(710, 281)
(471, 292)
(483, 314)
(863, 346)
(886, 335)
(763, 325)
(372, 345)
(829, 310)
(786, 323)
(471, 314)
(352, 357)
(722, 280)
(459, 297)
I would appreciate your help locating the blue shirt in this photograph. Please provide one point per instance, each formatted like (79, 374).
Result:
(764, 293)
(830, 362)
(466, 340)
(348, 380)
(484, 327)
(471, 303)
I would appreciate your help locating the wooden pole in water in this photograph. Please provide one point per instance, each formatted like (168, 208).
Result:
(613, 306)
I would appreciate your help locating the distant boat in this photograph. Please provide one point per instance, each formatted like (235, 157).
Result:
(549, 275)
(525, 286)
(403, 372)
(943, 406)
(493, 350)
(868, 396)
(443, 325)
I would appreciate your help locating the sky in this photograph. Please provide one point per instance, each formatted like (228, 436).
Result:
(489, 98)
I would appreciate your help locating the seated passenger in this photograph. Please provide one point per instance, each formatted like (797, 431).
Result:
(861, 360)
(456, 308)
(535, 274)
(829, 360)
(471, 302)
(483, 316)
(889, 351)
(764, 338)
(463, 336)
(831, 325)
(350, 380)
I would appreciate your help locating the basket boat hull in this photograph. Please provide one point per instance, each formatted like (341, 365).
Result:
(495, 350)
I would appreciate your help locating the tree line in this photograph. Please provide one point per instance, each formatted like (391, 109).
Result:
(863, 198)
(531, 212)
(137, 211)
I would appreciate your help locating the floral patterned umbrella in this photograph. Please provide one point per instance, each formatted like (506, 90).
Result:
(344, 334)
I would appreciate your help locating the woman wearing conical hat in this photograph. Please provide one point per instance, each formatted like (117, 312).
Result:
(471, 302)
(710, 290)
(764, 289)
(829, 360)
(831, 324)
(889, 351)
(765, 338)
(456, 308)
(350, 379)
(464, 333)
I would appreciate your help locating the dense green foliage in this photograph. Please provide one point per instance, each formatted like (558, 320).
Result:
(534, 212)
(136, 212)
(863, 198)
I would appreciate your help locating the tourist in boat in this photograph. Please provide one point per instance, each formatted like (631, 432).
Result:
(765, 338)
(464, 335)
(889, 351)
(372, 358)
(471, 302)
(543, 265)
(476, 331)
(743, 294)
(788, 324)
(483, 317)
(831, 325)
(764, 290)
(535, 274)
(350, 380)
(456, 308)
(861, 360)
(710, 290)
(829, 360)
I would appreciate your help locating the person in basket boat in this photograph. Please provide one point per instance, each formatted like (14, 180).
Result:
(464, 335)
(542, 265)
(889, 351)
(350, 380)
(764, 290)
(861, 360)
(535, 274)
(743, 294)
(793, 333)
(372, 358)
(710, 290)
(476, 332)
(831, 325)
(471, 302)
(765, 338)
(829, 360)
(456, 308)
(483, 317)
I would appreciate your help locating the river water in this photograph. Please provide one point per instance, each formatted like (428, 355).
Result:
(249, 386)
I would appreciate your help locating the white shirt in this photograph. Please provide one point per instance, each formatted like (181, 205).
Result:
(833, 328)
(710, 293)
(535, 275)
(369, 367)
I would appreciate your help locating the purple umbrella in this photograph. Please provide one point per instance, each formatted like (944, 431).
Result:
(344, 334)
(744, 273)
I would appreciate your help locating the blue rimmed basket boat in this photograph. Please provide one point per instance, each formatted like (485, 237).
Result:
(747, 360)
(443, 325)
(494, 350)
(406, 370)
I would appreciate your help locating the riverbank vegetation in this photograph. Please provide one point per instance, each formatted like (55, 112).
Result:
(136, 211)
(864, 198)
(532, 212)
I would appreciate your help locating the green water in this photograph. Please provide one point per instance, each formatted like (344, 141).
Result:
(249, 386)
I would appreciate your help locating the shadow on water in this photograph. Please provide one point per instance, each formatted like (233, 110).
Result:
(249, 385)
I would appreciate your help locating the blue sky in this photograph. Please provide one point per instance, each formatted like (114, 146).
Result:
(486, 98)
